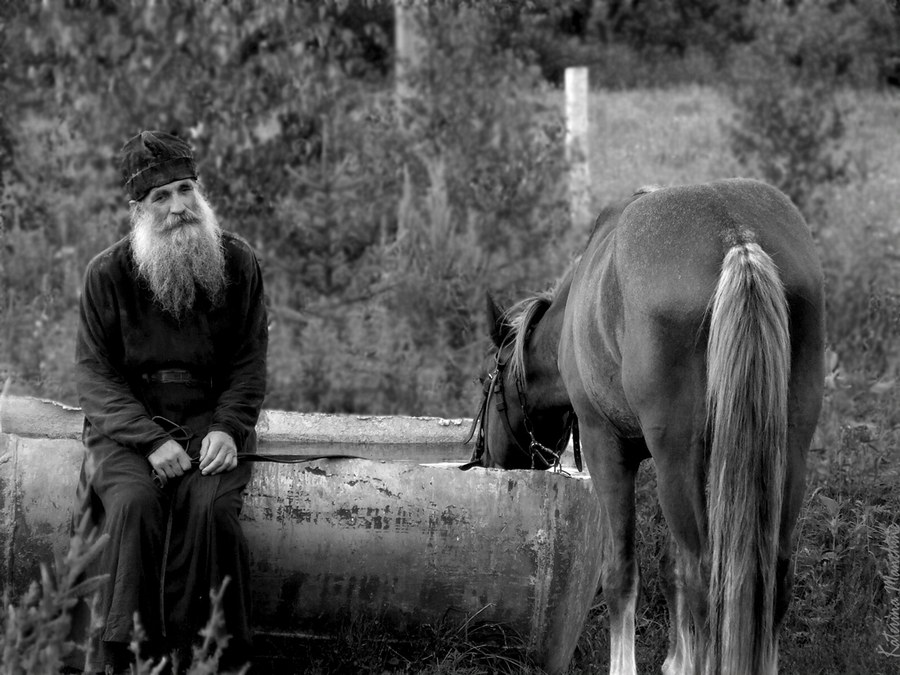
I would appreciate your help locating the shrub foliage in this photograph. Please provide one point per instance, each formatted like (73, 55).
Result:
(379, 221)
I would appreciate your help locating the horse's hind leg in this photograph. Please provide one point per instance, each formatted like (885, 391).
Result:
(676, 445)
(680, 658)
(681, 494)
(672, 418)
(613, 476)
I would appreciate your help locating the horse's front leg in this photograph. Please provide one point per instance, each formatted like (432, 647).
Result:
(613, 476)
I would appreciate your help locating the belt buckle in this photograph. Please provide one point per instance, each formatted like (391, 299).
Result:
(175, 375)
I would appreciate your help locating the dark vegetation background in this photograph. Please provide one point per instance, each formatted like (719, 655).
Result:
(378, 232)
(380, 226)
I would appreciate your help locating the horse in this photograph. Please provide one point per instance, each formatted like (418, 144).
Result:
(690, 330)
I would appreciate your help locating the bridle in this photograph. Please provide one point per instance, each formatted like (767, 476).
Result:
(541, 456)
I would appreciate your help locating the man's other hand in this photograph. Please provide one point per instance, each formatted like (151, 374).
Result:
(169, 460)
(218, 453)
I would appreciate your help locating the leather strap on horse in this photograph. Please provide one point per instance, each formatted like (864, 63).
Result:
(535, 449)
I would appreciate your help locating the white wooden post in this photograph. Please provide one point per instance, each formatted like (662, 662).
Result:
(577, 146)
(409, 50)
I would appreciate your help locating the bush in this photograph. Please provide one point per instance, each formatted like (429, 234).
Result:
(788, 124)
(384, 242)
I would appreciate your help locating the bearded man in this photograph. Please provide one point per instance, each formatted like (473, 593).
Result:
(171, 375)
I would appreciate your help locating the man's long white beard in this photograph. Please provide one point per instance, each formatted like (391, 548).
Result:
(177, 255)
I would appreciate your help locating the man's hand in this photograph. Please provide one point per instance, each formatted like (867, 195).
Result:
(218, 453)
(169, 460)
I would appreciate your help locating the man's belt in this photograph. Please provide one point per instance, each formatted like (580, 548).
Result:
(175, 376)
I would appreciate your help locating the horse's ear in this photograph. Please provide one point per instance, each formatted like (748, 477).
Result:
(496, 321)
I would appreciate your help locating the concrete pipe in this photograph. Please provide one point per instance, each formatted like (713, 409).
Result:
(402, 536)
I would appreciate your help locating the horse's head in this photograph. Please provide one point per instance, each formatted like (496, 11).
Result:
(512, 429)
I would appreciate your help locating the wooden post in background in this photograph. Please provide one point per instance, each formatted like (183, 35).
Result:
(578, 146)
(409, 52)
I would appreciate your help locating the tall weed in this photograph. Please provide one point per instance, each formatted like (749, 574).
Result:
(34, 630)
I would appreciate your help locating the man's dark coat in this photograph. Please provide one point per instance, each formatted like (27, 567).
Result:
(124, 340)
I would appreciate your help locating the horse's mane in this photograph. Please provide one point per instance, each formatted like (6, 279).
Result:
(523, 315)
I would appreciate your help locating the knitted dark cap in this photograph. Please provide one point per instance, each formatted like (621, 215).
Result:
(154, 158)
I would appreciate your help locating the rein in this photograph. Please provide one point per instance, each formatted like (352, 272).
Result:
(243, 457)
(537, 452)
(182, 434)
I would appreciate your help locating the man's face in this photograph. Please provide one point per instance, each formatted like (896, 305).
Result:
(173, 204)
(176, 246)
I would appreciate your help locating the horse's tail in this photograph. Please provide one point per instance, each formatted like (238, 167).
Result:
(748, 364)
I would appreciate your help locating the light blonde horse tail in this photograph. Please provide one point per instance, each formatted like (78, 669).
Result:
(748, 366)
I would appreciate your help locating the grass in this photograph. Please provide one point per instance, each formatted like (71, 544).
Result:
(662, 137)
(454, 646)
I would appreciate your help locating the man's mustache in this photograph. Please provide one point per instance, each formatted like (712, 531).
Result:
(182, 219)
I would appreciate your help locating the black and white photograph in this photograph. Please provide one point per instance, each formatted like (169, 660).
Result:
(455, 337)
